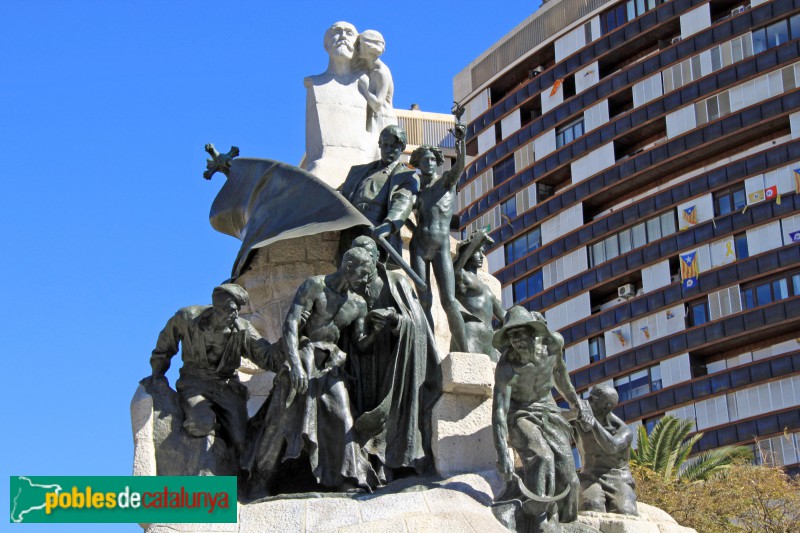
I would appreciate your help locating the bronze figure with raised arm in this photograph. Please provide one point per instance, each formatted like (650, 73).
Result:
(430, 244)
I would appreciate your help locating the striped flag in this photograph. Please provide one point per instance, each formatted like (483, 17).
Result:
(797, 180)
(645, 332)
(556, 85)
(690, 215)
(690, 269)
(620, 337)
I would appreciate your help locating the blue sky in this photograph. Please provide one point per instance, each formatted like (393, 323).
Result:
(104, 111)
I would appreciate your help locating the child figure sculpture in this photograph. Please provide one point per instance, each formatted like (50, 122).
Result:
(430, 244)
(377, 87)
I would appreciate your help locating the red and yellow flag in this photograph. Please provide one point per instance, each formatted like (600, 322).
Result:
(556, 85)
(690, 215)
(690, 269)
(797, 180)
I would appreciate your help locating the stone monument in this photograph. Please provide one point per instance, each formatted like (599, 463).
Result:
(356, 421)
(348, 105)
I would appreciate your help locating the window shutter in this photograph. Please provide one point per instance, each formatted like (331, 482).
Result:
(700, 111)
(714, 305)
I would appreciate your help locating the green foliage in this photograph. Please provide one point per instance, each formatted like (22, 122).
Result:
(666, 449)
(743, 498)
(719, 491)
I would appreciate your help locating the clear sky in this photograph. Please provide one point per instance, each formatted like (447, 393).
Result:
(104, 111)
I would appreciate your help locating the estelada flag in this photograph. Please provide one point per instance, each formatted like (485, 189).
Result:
(690, 269)
(556, 85)
(620, 337)
(770, 193)
(690, 215)
(797, 180)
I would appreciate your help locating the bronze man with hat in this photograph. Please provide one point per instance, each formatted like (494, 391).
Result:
(526, 416)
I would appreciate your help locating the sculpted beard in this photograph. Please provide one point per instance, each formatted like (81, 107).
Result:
(343, 47)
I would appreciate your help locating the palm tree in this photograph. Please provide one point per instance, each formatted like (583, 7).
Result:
(666, 450)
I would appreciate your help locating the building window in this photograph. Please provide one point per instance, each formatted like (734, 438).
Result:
(597, 348)
(587, 32)
(764, 292)
(740, 243)
(729, 200)
(650, 423)
(698, 312)
(622, 13)
(635, 237)
(639, 383)
(502, 171)
(523, 245)
(528, 286)
(775, 34)
(508, 209)
(543, 192)
(570, 132)
(614, 18)
(794, 26)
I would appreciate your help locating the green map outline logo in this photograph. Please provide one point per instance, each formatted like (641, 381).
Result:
(122, 499)
(15, 505)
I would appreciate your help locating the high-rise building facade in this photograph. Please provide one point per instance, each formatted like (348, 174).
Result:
(638, 165)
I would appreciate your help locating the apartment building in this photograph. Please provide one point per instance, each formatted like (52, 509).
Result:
(638, 165)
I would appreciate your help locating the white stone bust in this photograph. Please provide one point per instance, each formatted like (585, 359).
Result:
(348, 105)
(339, 42)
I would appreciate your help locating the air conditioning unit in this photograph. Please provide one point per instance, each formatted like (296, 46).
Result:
(626, 291)
(536, 71)
(676, 40)
(737, 10)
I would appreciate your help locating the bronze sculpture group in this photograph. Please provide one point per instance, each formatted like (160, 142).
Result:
(357, 371)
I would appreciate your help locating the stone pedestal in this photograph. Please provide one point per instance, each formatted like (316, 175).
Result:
(462, 418)
(336, 129)
(276, 271)
(650, 520)
(457, 504)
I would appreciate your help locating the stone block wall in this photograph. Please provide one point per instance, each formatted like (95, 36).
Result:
(276, 271)
(462, 418)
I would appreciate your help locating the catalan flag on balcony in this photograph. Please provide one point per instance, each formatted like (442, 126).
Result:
(690, 269)
(670, 314)
(645, 332)
(797, 180)
(690, 215)
(620, 337)
(556, 85)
